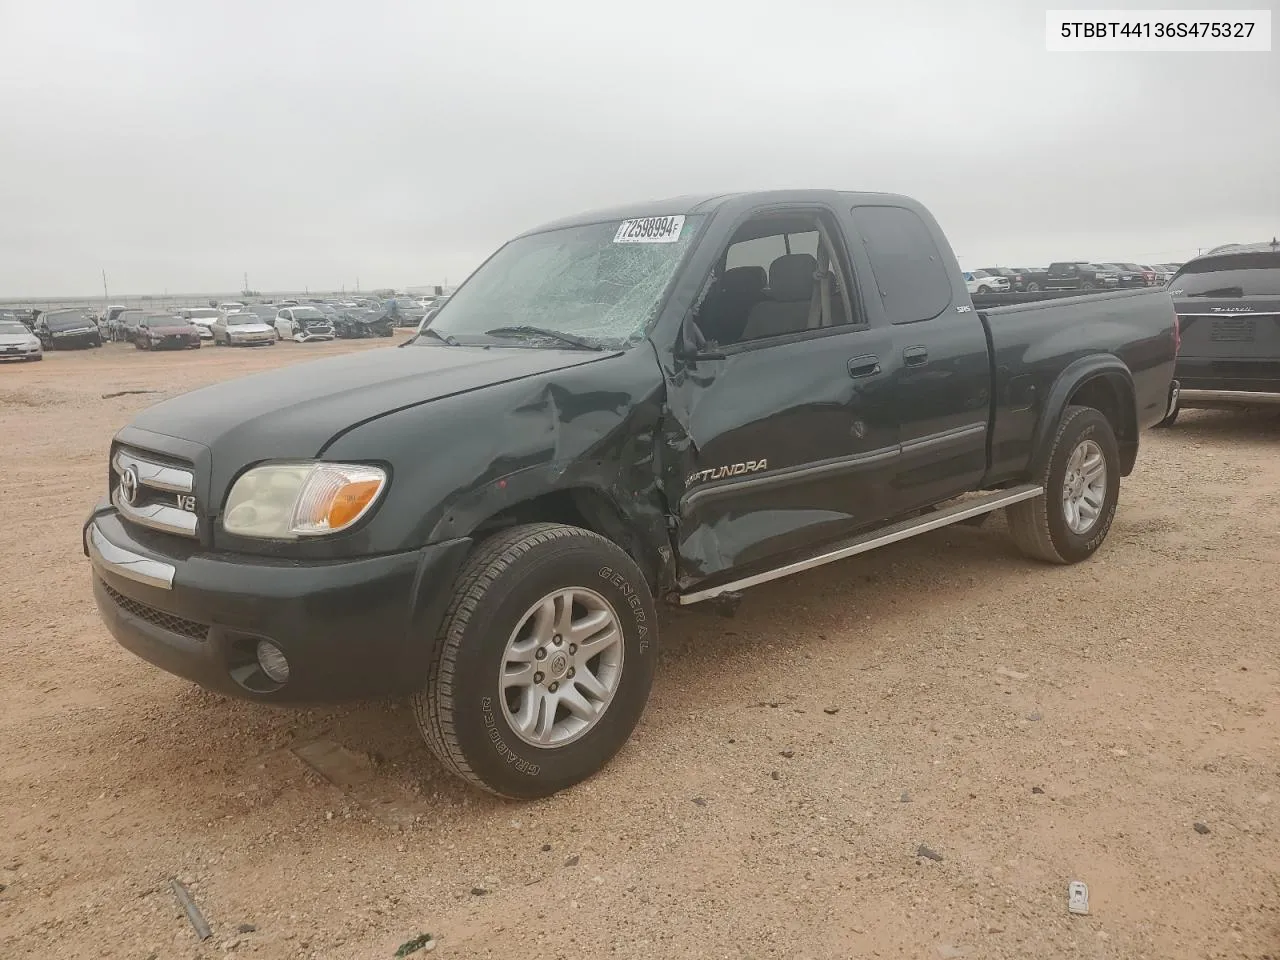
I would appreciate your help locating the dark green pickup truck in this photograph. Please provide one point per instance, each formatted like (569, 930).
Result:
(675, 400)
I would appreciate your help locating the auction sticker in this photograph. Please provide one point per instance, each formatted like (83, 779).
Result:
(650, 230)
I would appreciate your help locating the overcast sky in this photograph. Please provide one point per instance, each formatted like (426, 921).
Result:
(178, 145)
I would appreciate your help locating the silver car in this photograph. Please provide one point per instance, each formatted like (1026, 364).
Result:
(18, 343)
(242, 329)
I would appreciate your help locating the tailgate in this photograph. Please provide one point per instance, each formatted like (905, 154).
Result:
(1229, 330)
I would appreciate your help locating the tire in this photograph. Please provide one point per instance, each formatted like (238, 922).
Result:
(1033, 287)
(1090, 285)
(462, 712)
(137, 344)
(984, 289)
(1040, 528)
(1174, 408)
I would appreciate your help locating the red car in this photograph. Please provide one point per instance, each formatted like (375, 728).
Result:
(158, 331)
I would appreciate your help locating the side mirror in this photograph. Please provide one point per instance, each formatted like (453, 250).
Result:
(694, 346)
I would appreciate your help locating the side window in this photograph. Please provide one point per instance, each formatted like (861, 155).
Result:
(909, 270)
(780, 276)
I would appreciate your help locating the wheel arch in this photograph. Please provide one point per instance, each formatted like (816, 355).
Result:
(578, 504)
(1103, 383)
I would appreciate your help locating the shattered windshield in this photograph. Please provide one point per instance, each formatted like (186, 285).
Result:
(602, 282)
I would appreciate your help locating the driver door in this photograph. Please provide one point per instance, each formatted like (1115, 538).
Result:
(794, 440)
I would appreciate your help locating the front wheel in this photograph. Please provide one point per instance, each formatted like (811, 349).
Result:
(1081, 481)
(545, 661)
(984, 289)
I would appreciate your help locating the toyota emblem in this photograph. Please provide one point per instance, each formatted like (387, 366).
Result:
(129, 485)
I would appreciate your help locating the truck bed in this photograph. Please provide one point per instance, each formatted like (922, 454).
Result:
(1033, 343)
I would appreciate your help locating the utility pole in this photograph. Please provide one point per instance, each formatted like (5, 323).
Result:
(357, 283)
(106, 297)
(246, 281)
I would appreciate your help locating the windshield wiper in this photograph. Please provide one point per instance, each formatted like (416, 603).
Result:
(531, 331)
(445, 338)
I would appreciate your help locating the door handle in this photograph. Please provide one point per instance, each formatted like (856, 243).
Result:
(867, 366)
(915, 356)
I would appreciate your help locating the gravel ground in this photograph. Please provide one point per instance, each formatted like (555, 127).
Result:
(1026, 725)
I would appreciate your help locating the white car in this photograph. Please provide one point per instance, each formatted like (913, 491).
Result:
(303, 324)
(202, 318)
(18, 343)
(981, 281)
(242, 329)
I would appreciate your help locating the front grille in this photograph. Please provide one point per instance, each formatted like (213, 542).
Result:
(165, 621)
(154, 492)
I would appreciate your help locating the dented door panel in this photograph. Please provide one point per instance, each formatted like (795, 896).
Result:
(778, 446)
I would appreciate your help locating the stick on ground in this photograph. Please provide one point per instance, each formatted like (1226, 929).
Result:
(193, 912)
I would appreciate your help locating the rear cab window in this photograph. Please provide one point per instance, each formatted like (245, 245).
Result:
(909, 270)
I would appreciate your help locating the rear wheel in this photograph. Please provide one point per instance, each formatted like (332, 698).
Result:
(1033, 287)
(544, 664)
(1081, 480)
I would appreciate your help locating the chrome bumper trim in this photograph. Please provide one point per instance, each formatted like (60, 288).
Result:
(125, 563)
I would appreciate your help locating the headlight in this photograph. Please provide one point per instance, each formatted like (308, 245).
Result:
(285, 501)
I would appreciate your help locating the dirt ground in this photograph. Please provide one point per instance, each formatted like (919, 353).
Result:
(1029, 725)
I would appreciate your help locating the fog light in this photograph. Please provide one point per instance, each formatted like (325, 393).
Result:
(273, 662)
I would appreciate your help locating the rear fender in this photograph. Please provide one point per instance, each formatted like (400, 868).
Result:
(1107, 384)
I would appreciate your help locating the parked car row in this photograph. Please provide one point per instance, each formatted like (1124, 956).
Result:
(1069, 275)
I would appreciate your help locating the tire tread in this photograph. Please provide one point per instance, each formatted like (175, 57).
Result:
(1029, 520)
(433, 705)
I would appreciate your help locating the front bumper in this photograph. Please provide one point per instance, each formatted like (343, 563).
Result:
(20, 352)
(358, 628)
(1230, 376)
(77, 342)
(173, 342)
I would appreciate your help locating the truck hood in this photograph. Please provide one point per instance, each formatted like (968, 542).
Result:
(296, 411)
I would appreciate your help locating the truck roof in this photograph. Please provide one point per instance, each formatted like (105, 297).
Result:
(707, 203)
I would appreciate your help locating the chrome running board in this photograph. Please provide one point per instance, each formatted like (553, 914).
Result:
(881, 537)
